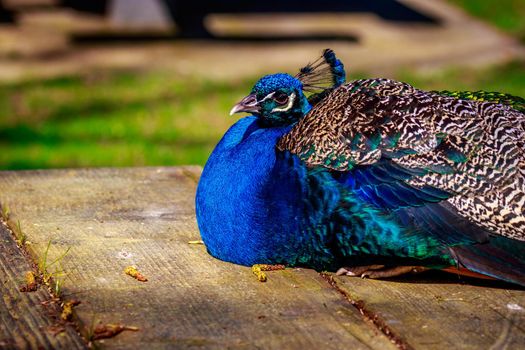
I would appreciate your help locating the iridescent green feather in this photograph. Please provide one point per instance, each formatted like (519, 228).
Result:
(516, 102)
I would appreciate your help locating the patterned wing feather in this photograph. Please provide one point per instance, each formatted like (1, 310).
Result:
(468, 153)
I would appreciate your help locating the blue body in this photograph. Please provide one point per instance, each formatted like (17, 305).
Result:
(258, 205)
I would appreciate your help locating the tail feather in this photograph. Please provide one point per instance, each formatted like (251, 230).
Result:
(501, 258)
(466, 272)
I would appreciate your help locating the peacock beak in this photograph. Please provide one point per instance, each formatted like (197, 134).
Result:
(248, 104)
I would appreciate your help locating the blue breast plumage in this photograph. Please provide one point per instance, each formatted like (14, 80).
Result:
(244, 196)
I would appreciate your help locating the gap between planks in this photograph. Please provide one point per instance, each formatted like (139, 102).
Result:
(372, 318)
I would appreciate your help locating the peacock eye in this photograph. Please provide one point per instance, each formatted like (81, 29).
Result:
(280, 97)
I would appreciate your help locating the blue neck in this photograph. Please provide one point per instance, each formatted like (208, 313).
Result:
(246, 193)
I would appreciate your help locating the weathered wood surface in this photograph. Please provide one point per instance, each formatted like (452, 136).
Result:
(439, 311)
(28, 320)
(113, 218)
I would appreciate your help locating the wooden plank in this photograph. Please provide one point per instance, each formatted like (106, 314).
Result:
(113, 218)
(438, 311)
(28, 320)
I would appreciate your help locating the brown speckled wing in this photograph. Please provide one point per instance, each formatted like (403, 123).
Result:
(472, 149)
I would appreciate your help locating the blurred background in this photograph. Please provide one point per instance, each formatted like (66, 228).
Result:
(134, 82)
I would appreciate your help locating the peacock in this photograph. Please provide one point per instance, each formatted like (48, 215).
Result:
(372, 178)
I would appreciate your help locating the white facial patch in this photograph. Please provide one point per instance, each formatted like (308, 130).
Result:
(287, 107)
(270, 95)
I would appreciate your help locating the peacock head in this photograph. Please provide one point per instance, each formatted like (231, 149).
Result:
(279, 99)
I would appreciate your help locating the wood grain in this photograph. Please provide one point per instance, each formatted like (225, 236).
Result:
(26, 323)
(114, 218)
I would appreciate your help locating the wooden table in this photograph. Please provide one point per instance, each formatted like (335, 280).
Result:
(113, 218)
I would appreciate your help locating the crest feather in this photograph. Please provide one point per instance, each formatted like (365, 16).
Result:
(322, 76)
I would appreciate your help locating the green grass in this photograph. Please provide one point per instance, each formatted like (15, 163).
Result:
(141, 118)
(134, 119)
(118, 119)
(54, 279)
(508, 15)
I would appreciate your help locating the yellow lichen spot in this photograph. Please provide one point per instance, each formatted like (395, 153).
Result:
(196, 242)
(67, 309)
(133, 272)
(258, 270)
(31, 282)
(30, 278)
